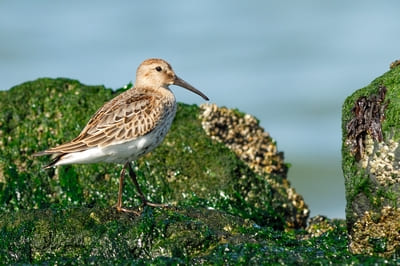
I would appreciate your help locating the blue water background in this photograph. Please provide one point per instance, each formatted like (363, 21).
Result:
(289, 63)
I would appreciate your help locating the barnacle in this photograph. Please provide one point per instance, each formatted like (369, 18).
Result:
(395, 63)
(376, 233)
(242, 134)
(252, 144)
(382, 161)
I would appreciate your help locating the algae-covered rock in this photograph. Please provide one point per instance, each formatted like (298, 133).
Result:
(176, 235)
(319, 225)
(377, 233)
(227, 200)
(252, 144)
(189, 168)
(371, 158)
(103, 235)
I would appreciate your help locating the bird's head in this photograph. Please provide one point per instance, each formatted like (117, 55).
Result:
(158, 73)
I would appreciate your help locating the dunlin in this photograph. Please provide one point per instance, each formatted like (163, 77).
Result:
(127, 127)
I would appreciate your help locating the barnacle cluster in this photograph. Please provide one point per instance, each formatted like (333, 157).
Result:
(319, 225)
(377, 233)
(394, 64)
(382, 160)
(243, 135)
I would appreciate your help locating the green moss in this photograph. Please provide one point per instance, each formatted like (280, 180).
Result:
(391, 80)
(367, 191)
(54, 111)
(357, 179)
(188, 168)
(162, 236)
(224, 213)
(193, 178)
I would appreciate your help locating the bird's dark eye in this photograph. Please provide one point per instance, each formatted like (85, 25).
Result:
(158, 69)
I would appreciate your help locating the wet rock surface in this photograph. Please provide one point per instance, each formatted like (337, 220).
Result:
(377, 233)
(222, 209)
(252, 144)
(243, 134)
(320, 225)
(371, 165)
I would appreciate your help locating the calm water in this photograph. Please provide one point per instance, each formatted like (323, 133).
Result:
(289, 63)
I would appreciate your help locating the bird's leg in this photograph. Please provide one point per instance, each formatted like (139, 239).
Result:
(132, 174)
(120, 190)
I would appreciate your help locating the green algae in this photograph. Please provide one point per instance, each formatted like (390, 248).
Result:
(162, 236)
(188, 168)
(356, 178)
(370, 185)
(64, 215)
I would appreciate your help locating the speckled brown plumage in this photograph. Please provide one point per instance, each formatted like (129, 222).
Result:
(128, 126)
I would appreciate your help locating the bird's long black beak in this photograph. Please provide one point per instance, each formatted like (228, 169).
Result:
(180, 82)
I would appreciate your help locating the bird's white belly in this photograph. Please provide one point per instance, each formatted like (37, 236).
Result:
(132, 150)
(121, 152)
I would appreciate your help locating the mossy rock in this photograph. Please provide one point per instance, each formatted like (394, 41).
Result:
(176, 235)
(101, 235)
(188, 169)
(64, 215)
(371, 157)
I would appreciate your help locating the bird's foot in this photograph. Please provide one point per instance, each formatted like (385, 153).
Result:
(120, 209)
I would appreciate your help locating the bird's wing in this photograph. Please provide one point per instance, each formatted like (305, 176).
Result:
(124, 118)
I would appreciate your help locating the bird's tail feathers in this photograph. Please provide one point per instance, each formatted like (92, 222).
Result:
(53, 162)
